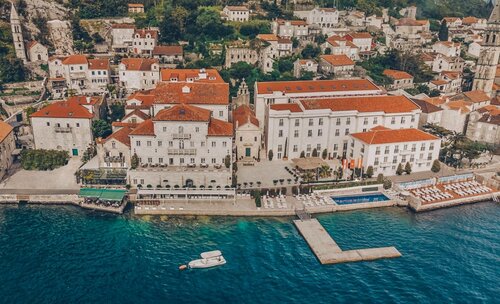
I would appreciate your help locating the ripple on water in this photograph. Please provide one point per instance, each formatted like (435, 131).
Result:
(63, 254)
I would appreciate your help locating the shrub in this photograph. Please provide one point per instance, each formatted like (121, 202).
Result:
(380, 178)
(270, 155)
(149, 186)
(369, 171)
(408, 168)
(314, 153)
(387, 184)
(227, 161)
(302, 154)
(436, 166)
(43, 159)
(399, 170)
(324, 154)
(256, 195)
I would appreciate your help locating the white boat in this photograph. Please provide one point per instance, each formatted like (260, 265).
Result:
(208, 259)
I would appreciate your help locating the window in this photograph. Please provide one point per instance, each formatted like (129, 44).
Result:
(295, 148)
(280, 133)
(221, 113)
(396, 149)
(308, 148)
(309, 133)
(365, 121)
(148, 143)
(431, 146)
(280, 123)
(241, 138)
(393, 120)
(338, 122)
(394, 159)
(311, 122)
(320, 122)
(113, 145)
(48, 124)
(375, 120)
(197, 129)
(160, 160)
(413, 147)
(337, 132)
(429, 156)
(297, 122)
(138, 143)
(170, 143)
(377, 151)
(320, 132)
(150, 159)
(159, 143)
(386, 151)
(280, 148)
(335, 147)
(78, 125)
(296, 133)
(214, 144)
(403, 119)
(347, 131)
(224, 144)
(422, 147)
(376, 161)
(348, 121)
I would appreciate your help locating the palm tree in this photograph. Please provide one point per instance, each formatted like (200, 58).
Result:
(308, 176)
(324, 171)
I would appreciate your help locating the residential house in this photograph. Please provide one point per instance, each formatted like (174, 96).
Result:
(430, 114)
(336, 45)
(172, 54)
(325, 18)
(144, 41)
(447, 48)
(304, 65)
(273, 48)
(236, 13)
(7, 146)
(138, 73)
(400, 79)
(241, 50)
(135, 8)
(339, 66)
(290, 28)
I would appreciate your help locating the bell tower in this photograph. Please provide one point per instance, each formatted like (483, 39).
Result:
(490, 53)
(17, 33)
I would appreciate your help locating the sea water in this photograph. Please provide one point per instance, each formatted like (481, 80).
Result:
(67, 255)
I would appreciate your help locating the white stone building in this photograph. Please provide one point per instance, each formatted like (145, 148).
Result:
(430, 114)
(325, 18)
(122, 36)
(340, 46)
(284, 92)
(290, 28)
(273, 48)
(7, 146)
(144, 41)
(182, 146)
(400, 79)
(240, 50)
(139, 73)
(447, 48)
(247, 134)
(236, 13)
(384, 149)
(340, 66)
(310, 125)
(63, 125)
(37, 52)
(304, 65)
(135, 8)
(168, 53)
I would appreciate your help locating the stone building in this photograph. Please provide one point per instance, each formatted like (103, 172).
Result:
(17, 34)
(7, 146)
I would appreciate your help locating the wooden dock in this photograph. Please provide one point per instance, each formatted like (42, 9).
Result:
(328, 252)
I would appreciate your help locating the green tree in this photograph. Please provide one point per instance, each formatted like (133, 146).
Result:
(443, 31)
(387, 184)
(134, 161)
(227, 161)
(408, 168)
(324, 155)
(314, 153)
(101, 128)
(302, 154)
(117, 111)
(380, 178)
(436, 166)
(399, 170)
(270, 155)
(310, 51)
(369, 171)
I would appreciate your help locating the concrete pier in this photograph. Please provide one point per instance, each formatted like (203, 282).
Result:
(328, 252)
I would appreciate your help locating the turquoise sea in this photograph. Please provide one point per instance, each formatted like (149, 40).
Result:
(67, 255)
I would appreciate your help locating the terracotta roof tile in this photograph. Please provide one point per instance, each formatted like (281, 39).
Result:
(136, 5)
(397, 75)
(138, 113)
(121, 135)
(64, 109)
(359, 35)
(292, 107)
(337, 60)
(292, 22)
(268, 37)
(143, 32)
(426, 107)
(5, 130)
(85, 100)
(386, 104)
(168, 50)
(75, 59)
(98, 64)
(183, 112)
(218, 127)
(191, 93)
(243, 115)
(237, 8)
(138, 64)
(378, 137)
(306, 86)
(145, 128)
(123, 26)
(197, 75)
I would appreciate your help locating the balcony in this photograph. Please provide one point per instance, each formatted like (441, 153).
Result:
(62, 129)
(181, 136)
(181, 152)
(114, 159)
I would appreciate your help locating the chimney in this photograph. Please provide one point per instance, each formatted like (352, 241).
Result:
(202, 74)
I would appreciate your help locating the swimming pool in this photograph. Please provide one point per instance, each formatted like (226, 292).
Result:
(362, 198)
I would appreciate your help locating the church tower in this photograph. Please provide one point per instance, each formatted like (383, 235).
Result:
(17, 33)
(488, 58)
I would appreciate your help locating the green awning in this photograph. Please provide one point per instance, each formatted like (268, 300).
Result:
(112, 194)
(103, 194)
(90, 192)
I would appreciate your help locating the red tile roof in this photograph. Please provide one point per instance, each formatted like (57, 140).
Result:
(397, 75)
(121, 135)
(359, 35)
(98, 64)
(197, 75)
(75, 59)
(426, 107)
(123, 26)
(5, 130)
(292, 22)
(85, 100)
(218, 127)
(167, 50)
(237, 8)
(243, 115)
(138, 64)
(292, 107)
(378, 137)
(268, 37)
(145, 128)
(183, 112)
(143, 32)
(191, 93)
(337, 60)
(411, 22)
(137, 5)
(308, 86)
(64, 109)
(138, 113)
(386, 104)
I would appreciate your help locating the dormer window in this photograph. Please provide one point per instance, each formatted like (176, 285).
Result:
(189, 79)
(173, 79)
(148, 36)
(186, 89)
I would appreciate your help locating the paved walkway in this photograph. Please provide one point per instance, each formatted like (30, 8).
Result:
(60, 178)
(265, 171)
